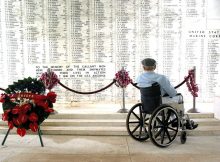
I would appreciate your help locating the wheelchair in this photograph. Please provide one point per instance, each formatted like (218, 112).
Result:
(159, 122)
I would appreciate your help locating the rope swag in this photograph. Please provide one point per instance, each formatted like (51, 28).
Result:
(121, 79)
(50, 79)
(72, 90)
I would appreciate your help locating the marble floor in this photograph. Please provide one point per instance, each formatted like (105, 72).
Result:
(106, 149)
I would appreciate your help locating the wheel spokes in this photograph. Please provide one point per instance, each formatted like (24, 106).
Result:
(172, 129)
(133, 122)
(158, 119)
(161, 131)
(136, 123)
(158, 133)
(163, 116)
(163, 134)
(172, 121)
(168, 115)
(136, 115)
(168, 135)
(136, 128)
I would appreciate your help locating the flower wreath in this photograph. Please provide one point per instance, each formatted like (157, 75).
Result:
(25, 106)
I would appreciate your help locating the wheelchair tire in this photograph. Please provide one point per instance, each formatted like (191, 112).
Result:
(137, 123)
(163, 125)
(183, 137)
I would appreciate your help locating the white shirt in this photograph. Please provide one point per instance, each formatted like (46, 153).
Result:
(147, 78)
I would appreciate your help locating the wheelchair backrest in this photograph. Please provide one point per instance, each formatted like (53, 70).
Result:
(151, 98)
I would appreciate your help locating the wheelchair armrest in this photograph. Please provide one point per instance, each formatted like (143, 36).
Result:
(166, 95)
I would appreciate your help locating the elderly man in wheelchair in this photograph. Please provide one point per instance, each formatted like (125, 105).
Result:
(156, 117)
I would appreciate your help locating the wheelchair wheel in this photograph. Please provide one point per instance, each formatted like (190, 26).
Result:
(137, 123)
(163, 126)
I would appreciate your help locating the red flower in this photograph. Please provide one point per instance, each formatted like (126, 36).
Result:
(7, 111)
(25, 108)
(16, 121)
(5, 116)
(39, 98)
(33, 117)
(2, 98)
(23, 118)
(16, 110)
(51, 96)
(10, 125)
(33, 126)
(43, 104)
(21, 131)
(49, 110)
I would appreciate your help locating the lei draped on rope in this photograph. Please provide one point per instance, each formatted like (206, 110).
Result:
(122, 78)
(25, 105)
(49, 79)
(190, 82)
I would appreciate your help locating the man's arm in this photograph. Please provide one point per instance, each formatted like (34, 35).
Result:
(168, 88)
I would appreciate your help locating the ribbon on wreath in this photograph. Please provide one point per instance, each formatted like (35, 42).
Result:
(51, 96)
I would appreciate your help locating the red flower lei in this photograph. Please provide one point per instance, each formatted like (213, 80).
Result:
(122, 78)
(190, 82)
(49, 79)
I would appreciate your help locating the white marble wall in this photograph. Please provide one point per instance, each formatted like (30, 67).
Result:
(217, 107)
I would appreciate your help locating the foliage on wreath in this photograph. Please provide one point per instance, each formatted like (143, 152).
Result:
(25, 105)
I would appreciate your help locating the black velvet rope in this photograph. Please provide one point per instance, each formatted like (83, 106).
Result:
(135, 85)
(88, 92)
(184, 81)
